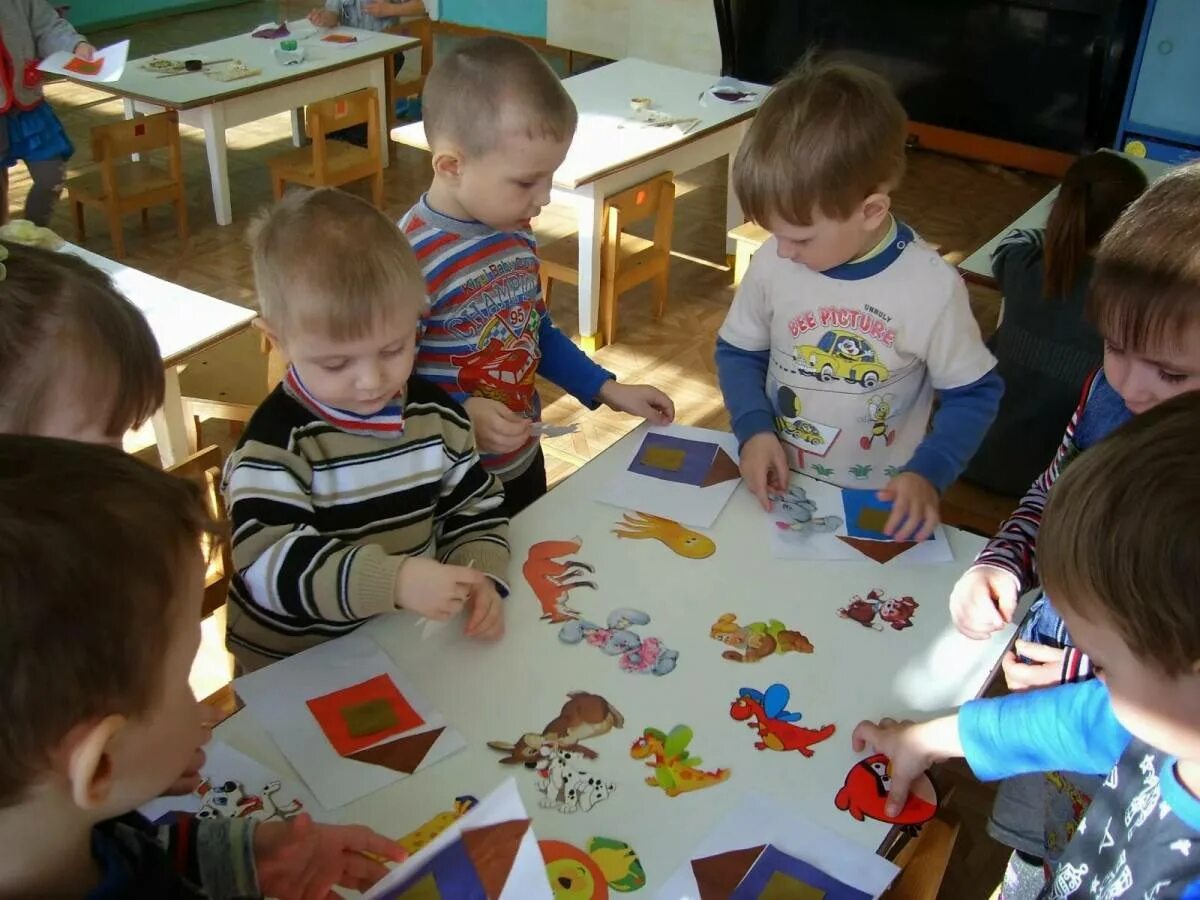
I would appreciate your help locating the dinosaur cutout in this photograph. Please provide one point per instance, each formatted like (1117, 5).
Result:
(765, 711)
(675, 770)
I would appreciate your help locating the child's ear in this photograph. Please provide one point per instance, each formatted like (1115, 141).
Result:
(875, 209)
(447, 164)
(88, 755)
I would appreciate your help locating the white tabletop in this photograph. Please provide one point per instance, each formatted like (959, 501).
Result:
(183, 321)
(499, 691)
(197, 89)
(610, 135)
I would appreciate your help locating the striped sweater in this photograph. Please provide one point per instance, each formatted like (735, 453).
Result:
(325, 512)
(488, 332)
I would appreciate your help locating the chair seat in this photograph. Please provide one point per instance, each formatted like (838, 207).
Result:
(298, 165)
(560, 258)
(132, 178)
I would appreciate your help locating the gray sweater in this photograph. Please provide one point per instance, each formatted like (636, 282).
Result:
(30, 30)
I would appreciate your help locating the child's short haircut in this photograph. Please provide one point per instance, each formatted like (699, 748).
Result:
(63, 325)
(93, 545)
(1120, 533)
(328, 262)
(470, 90)
(1145, 288)
(827, 136)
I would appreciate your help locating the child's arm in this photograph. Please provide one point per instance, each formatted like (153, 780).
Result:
(1021, 245)
(327, 17)
(300, 858)
(216, 854)
(51, 32)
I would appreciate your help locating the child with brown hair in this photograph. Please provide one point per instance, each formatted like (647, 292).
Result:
(847, 325)
(356, 489)
(1045, 346)
(499, 123)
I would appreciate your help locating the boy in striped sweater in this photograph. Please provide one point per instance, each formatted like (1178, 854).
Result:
(356, 489)
(499, 123)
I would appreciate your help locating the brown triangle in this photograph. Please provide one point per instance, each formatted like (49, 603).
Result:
(718, 876)
(880, 551)
(723, 469)
(401, 755)
(492, 850)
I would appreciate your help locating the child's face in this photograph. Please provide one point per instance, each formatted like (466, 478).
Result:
(1145, 380)
(509, 185)
(827, 243)
(362, 375)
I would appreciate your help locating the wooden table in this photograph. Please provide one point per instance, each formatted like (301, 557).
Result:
(214, 106)
(612, 151)
(500, 691)
(184, 323)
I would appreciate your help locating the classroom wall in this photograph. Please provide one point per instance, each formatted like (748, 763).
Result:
(526, 17)
(94, 14)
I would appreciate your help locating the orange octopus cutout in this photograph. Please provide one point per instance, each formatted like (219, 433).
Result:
(680, 540)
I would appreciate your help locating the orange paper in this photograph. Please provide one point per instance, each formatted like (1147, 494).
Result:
(327, 710)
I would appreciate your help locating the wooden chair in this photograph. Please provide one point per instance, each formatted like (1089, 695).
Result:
(204, 468)
(924, 859)
(121, 187)
(332, 163)
(422, 29)
(625, 259)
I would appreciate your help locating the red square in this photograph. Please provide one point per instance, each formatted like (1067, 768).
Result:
(139, 130)
(640, 199)
(327, 710)
(339, 109)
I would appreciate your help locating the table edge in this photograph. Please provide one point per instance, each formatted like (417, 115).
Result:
(212, 340)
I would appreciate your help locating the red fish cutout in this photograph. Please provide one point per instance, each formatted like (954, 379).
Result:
(865, 793)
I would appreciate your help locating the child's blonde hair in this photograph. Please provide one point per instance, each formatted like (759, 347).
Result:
(471, 89)
(67, 334)
(827, 136)
(329, 262)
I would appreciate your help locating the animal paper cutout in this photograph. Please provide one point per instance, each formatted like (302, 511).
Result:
(679, 539)
(896, 612)
(757, 640)
(620, 864)
(675, 770)
(766, 712)
(683, 461)
(476, 864)
(422, 835)
(230, 800)
(340, 712)
(577, 875)
(866, 788)
(553, 580)
(582, 717)
(566, 788)
(634, 653)
(797, 514)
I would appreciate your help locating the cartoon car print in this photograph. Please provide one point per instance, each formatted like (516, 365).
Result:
(801, 430)
(497, 373)
(844, 355)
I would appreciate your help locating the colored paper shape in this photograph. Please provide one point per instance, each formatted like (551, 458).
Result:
(573, 875)
(683, 461)
(880, 551)
(339, 39)
(404, 754)
(718, 876)
(785, 887)
(723, 469)
(371, 717)
(776, 875)
(863, 510)
(873, 519)
(89, 67)
(271, 32)
(425, 889)
(666, 458)
(330, 712)
(492, 850)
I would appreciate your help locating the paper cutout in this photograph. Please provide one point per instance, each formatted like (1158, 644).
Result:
(718, 876)
(573, 875)
(106, 65)
(330, 712)
(776, 875)
(89, 67)
(230, 800)
(786, 887)
(369, 718)
(866, 514)
(566, 788)
(795, 514)
(339, 38)
(880, 551)
(683, 461)
(492, 850)
(404, 754)
(272, 31)
(425, 889)
(666, 458)
(677, 538)
(422, 835)
(620, 864)
(865, 791)
(643, 656)
(553, 580)
(757, 640)
(583, 716)
(870, 519)
(766, 712)
(675, 770)
(897, 613)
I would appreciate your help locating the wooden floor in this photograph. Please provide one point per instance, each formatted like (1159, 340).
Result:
(955, 204)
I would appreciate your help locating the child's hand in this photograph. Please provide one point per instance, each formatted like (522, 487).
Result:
(916, 507)
(379, 9)
(497, 428)
(485, 613)
(323, 18)
(638, 400)
(983, 601)
(764, 467)
(84, 50)
(299, 858)
(435, 590)
(1046, 668)
(911, 747)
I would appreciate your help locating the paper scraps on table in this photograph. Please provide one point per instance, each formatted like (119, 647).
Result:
(422, 835)
(584, 716)
(578, 875)
(105, 66)
(897, 612)
(541, 429)
(491, 852)
(767, 713)
(864, 794)
(233, 71)
(552, 577)
(340, 38)
(563, 786)
(644, 656)
(675, 770)
(758, 640)
(271, 31)
(679, 539)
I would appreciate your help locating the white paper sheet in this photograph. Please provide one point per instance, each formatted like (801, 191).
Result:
(277, 697)
(686, 504)
(111, 58)
(761, 820)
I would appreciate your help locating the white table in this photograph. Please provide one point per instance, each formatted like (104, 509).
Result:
(214, 106)
(978, 266)
(498, 692)
(184, 323)
(612, 151)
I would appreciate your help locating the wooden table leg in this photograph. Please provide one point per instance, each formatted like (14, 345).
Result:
(173, 431)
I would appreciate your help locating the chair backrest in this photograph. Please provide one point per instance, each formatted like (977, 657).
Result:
(115, 141)
(204, 468)
(654, 197)
(345, 111)
(421, 28)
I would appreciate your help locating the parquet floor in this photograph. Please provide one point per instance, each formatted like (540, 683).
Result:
(955, 204)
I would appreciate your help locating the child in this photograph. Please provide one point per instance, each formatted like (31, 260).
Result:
(356, 490)
(1045, 346)
(98, 716)
(846, 324)
(1118, 550)
(499, 123)
(29, 130)
(369, 15)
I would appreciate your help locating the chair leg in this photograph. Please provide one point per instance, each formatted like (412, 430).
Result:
(277, 187)
(114, 230)
(181, 222)
(660, 294)
(146, 219)
(547, 286)
(377, 189)
(80, 231)
(608, 311)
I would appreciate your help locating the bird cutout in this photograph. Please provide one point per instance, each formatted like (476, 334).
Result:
(679, 539)
(864, 794)
(766, 712)
(676, 771)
